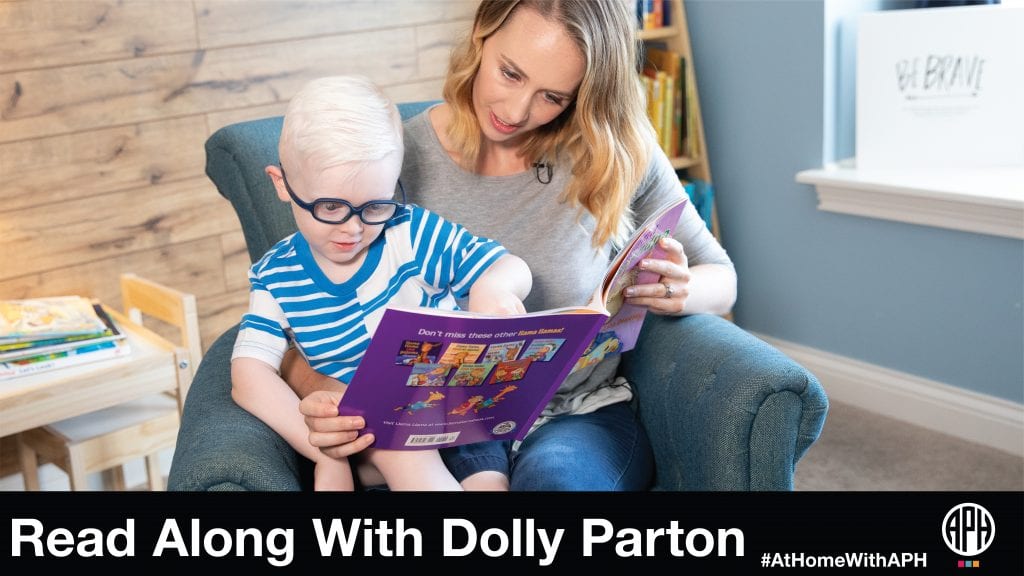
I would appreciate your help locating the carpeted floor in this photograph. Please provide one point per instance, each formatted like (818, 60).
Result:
(860, 450)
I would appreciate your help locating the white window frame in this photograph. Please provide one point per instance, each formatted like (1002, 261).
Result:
(981, 201)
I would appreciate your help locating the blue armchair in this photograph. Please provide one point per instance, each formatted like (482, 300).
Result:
(724, 410)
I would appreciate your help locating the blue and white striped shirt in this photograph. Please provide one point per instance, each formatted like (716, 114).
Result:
(419, 259)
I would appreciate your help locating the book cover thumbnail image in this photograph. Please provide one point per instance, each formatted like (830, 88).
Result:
(510, 370)
(458, 353)
(428, 375)
(471, 374)
(504, 351)
(418, 352)
(543, 349)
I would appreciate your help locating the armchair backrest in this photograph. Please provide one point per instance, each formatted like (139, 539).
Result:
(235, 158)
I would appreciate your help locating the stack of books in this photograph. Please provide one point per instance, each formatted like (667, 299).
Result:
(43, 334)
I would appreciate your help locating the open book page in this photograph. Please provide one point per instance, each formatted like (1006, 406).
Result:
(619, 333)
(433, 378)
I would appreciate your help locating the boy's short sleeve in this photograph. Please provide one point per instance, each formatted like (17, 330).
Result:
(452, 257)
(261, 335)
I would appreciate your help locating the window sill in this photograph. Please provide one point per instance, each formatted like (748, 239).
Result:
(982, 201)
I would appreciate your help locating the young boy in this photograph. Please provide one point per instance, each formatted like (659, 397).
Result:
(356, 250)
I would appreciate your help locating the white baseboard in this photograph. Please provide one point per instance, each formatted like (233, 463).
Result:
(972, 416)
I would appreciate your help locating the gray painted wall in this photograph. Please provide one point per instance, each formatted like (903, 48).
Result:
(936, 303)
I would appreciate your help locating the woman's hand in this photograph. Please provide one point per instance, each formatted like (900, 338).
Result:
(670, 294)
(336, 436)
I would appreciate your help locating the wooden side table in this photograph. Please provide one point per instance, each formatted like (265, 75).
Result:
(97, 416)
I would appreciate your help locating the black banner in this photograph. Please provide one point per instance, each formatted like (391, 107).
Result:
(926, 533)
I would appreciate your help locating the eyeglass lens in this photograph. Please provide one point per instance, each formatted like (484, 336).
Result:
(369, 213)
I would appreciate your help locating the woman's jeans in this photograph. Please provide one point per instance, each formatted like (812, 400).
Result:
(604, 450)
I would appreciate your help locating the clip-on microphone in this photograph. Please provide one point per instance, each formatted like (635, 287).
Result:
(538, 166)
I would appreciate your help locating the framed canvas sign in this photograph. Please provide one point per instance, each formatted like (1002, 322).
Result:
(941, 88)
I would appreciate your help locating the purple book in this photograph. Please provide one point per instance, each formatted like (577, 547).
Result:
(435, 378)
(624, 319)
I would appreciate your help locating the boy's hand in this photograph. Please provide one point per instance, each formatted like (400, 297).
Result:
(496, 301)
(336, 436)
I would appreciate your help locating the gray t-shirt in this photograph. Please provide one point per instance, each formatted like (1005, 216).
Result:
(529, 219)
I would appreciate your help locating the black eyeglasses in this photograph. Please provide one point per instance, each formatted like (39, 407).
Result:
(338, 211)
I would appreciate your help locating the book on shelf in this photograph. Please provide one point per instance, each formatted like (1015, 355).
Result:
(653, 14)
(671, 127)
(84, 354)
(656, 81)
(47, 318)
(702, 196)
(435, 378)
(692, 120)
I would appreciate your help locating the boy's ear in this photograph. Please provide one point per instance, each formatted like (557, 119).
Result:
(278, 179)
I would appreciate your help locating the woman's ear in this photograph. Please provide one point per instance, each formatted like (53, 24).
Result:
(277, 177)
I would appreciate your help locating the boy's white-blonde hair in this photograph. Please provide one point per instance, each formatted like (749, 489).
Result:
(339, 120)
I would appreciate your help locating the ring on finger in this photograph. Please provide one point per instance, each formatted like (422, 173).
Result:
(668, 290)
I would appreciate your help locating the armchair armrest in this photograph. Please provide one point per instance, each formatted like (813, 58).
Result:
(220, 445)
(724, 410)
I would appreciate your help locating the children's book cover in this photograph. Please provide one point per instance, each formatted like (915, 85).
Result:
(543, 349)
(459, 353)
(471, 374)
(428, 375)
(474, 390)
(418, 352)
(503, 351)
(30, 348)
(511, 370)
(45, 318)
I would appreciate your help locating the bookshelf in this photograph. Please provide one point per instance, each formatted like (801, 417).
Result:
(691, 164)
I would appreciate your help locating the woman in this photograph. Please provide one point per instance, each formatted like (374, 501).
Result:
(543, 144)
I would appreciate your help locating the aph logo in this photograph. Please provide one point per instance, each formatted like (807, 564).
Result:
(968, 529)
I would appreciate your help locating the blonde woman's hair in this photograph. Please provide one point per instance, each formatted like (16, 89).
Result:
(340, 120)
(604, 133)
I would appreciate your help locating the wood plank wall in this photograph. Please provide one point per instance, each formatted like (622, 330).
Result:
(105, 106)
